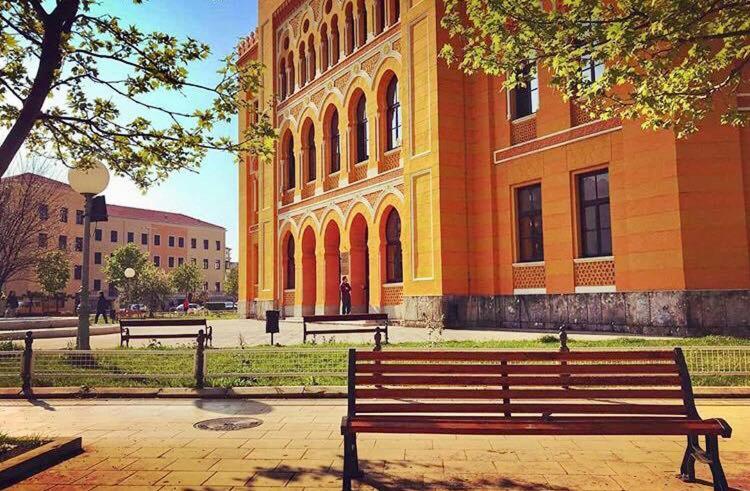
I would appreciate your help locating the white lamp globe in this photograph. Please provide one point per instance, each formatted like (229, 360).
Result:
(129, 273)
(89, 181)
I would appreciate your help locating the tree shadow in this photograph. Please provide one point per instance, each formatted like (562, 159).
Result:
(233, 407)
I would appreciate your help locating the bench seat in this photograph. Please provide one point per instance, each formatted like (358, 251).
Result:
(543, 393)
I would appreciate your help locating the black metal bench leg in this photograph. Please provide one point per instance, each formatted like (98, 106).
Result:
(717, 472)
(349, 462)
(687, 469)
(357, 473)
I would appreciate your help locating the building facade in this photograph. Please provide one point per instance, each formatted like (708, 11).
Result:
(169, 238)
(444, 197)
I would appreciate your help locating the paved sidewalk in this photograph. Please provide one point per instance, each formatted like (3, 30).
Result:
(233, 333)
(151, 444)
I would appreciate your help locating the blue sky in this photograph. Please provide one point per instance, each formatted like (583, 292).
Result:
(212, 193)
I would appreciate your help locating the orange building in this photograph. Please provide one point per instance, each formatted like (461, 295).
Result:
(443, 196)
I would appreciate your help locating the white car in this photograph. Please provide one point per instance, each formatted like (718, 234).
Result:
(193, 307)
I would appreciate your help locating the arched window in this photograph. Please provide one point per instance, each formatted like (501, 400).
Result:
(393, 115)
(311, 158)
(394, 270)
(362, 136)
(291, 165)
(282, 79)
(379, 16)
(395, 11)
(335, 41)
(290, 263)
(324, 47)
(311, 55)
(290, 64)
(335, 142)
(349, 30)
(302, 65)
(362, 20)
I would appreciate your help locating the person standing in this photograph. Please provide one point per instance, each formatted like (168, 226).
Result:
(346, 296)
(101, 309)
(11, 305)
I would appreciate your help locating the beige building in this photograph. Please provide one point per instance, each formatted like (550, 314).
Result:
(170, 239)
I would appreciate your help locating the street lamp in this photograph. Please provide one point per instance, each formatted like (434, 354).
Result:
(88, 182)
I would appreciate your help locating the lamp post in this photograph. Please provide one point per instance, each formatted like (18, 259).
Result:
(88, 182)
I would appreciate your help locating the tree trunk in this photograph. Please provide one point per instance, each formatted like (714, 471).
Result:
(56, 25)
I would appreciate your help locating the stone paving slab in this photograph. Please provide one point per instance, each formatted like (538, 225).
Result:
(151, 444)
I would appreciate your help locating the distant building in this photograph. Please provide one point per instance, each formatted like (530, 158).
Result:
(170, 239)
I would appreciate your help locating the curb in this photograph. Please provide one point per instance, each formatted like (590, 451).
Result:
(283, 392)
(38, 459)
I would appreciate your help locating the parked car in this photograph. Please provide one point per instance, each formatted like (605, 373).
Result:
(192, 308)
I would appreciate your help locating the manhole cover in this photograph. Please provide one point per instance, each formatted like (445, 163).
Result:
(228, 424)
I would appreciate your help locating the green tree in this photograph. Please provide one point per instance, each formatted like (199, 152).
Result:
(55, 54)
(152, 288)
(122, 258)
(187, 278)
(53, 273)
(667, 62)
(231, 282)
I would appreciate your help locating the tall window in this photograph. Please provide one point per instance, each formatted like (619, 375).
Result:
(592, 69)
(283, 79)
(312, 66)
(324, 46)
(311, 158)
(395, 7)
(393, 115)
(64, 215)
(302, 65)
(335, 41)
(290, 264)
(113, 236)
(530, 237)
(291, 165)
(290, 64)
(379, 16)
(362, 137)
(349, 30)
(394, 270)
(362, 20)
(525, 98)
(335, 142)
(596, 228)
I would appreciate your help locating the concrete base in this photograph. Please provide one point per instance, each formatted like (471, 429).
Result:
(261, 306)
(663, 313)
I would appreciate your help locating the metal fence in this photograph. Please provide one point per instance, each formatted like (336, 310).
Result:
(260, 366)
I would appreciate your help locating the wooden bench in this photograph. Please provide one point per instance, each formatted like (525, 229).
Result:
(382, 327)
(528, 393)
(126, 324)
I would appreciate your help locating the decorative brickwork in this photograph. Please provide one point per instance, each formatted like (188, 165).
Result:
(397, 45)
(392, 295)
(288, 298)
(532, 276)
(342, 82)
(331, 182)
(372, 198)
(358, 173)
(370, 63)
(317, 98)
(287, 197)
(308, 190)
(594, 273)
(391, 160)
(578, 115)
(522, 130)
(577, 133)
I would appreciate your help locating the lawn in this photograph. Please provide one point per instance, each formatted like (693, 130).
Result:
(12, 447)
(322, 363)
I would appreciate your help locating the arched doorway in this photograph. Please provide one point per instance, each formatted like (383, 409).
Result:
(332, 255)
(308, 272)
(359, 260)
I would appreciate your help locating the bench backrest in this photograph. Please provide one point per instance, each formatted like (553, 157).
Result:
(347, 317)
(501, 383)
(161, 322)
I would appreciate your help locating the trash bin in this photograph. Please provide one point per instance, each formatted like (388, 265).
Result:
(272, 321)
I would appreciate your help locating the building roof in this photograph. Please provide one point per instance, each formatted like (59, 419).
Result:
(157, 216)
(132, 212)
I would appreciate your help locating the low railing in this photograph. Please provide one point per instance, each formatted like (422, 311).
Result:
(197, 367)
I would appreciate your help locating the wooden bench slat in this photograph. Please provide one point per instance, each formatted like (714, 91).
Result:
(474, 393)
(514, 381)
(644, 427)
(163, 336)
(498, 356)
(496, 369)
(344, 318)
(162, 322)
(521, 408)
(342, 331)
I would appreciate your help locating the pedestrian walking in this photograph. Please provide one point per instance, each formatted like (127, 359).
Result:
(346, 296)
(11, 304)
(101, 309)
